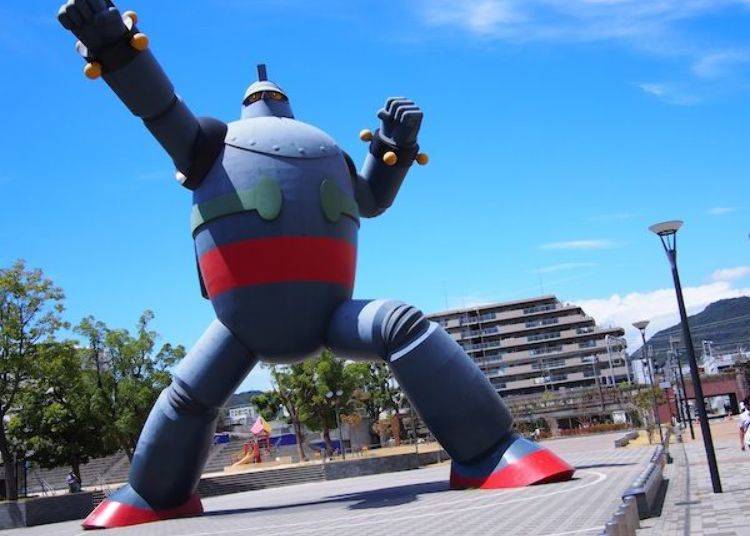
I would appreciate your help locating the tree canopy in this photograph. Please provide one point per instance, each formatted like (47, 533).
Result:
(31, 308)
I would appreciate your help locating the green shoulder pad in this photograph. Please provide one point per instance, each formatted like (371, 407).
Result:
(265, 198)
(335, 202)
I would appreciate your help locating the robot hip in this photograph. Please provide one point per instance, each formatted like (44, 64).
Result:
(281, 322)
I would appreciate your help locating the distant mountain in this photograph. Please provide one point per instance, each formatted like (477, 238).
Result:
(725, 322)
(241, 399)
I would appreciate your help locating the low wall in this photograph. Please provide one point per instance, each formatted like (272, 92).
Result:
(383, 464)
(640, 500)
(43, 510)
(625, 439)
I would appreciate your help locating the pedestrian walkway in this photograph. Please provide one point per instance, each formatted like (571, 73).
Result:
(417, 502)
(690, 506)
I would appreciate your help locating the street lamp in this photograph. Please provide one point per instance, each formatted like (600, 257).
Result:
(667, 232)
(330, 395)
(641, 326)
(684, 392)
(608, 343)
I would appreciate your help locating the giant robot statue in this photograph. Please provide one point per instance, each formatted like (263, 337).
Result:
(276, 210)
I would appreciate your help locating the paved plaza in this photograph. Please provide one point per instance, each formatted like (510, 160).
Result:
(416, 502)
(690, 506)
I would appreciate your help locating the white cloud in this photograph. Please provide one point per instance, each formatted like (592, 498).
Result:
(669, 93)
(660, 28)
(658, 306)
(640, 22)
(720, 64)
(564, 267)
(720, 211)
(482, 18)
(731, 274)
(580, 244)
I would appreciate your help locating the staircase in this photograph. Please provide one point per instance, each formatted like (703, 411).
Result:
(220, 456)
(271, 478)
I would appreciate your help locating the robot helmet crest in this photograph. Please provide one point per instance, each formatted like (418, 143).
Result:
(264, 98)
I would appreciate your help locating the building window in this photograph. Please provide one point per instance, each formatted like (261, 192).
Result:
(587, 344)
(546, 350)
(540, 308)
(543, 336)
(542, 322)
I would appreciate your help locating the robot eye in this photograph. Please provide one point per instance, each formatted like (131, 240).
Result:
(275, 95)
(253, 97)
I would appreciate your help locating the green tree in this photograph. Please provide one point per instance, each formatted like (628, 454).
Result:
(128, 375)
(292, 384)
(376, 392)
(30, 316)
(645, 401)
(333, 385)
(56, 423)
(268, 405)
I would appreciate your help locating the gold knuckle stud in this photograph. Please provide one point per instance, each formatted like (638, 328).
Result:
(130, 18)
(422, 159)
(390, 158)
(139, 41)
(365, 134)
(92, 70)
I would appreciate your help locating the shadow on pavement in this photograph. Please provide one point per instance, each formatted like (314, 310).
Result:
(379, 498)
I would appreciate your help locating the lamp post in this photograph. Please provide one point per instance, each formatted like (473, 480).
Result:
(684, 396)
(675, 379)
(608, 343)
(667, 232)
(641, 326)
(330, 395)
(686, 405)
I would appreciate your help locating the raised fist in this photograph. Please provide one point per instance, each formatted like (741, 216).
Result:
(96, 23)
(400, 121)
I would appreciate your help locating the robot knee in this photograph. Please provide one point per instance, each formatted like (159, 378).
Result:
(182, 401)
(400, 325)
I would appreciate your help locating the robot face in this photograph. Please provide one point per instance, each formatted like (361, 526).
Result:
(259, 105)
(271, 95)
(265, 99)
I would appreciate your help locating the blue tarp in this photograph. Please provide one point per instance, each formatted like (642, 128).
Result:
(220, 439)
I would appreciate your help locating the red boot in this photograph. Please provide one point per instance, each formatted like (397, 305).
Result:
(113, 513)
(518, 462)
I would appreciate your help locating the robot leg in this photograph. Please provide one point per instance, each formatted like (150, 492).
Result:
(177, 436)
(452, 396)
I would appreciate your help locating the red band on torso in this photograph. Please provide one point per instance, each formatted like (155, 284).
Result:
(278, 260)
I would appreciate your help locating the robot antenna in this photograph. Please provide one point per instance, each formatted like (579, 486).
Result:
(262, 72)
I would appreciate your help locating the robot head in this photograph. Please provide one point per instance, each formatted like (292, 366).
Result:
(264, 98)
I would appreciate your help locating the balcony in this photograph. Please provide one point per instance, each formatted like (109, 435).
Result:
(541, 308)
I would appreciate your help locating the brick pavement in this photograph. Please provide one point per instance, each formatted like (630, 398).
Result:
(690, 506)
(417, 502)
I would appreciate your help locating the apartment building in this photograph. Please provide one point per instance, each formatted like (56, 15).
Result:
(529, 346)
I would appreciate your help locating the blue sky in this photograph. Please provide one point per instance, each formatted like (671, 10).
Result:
(558, 131)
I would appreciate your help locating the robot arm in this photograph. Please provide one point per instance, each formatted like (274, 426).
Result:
(117, 51)
(393, 149)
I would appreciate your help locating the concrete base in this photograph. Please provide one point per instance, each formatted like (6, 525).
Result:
(43, 510)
